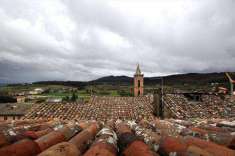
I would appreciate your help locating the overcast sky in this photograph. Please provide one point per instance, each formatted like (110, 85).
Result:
(88, 39)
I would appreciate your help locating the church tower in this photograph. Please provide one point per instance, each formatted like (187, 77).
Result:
(138, 82)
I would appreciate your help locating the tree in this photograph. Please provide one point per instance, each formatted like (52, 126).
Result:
(74, 97)
(66, 98)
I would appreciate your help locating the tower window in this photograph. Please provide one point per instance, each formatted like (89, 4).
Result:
(138, 83)
(138, 92)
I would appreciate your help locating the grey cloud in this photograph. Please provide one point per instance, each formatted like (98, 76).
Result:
(86, 39)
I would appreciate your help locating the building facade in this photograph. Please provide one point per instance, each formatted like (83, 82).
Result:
(138, 82)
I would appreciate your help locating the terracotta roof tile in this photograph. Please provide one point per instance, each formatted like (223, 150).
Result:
(120, 126)
(127, 137)
(99, 108)
(210, 106)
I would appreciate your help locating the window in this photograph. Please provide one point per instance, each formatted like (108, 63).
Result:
(138, 83)
(13, 117)
(5, 117)
(138, 92)
(193, 97)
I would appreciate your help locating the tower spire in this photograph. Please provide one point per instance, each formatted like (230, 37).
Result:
(138, 71)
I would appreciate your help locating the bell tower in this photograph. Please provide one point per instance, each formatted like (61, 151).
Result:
(138, 82)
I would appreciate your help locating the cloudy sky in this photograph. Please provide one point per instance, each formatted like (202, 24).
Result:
(88, 39)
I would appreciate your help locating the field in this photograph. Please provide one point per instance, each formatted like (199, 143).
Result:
(65, 92)
(116, 86)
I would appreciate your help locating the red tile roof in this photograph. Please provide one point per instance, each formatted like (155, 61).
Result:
(130, 138)
(99, 108)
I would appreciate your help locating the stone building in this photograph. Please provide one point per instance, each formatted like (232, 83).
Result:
(20, 99)
(13, 111)
(138, 82)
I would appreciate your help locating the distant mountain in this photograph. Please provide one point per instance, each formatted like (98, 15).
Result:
(190, 78)
(196, 78)
(2, 84)
(65, 83)
(113, 80)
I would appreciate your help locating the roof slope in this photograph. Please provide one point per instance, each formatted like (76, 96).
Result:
(210, 106)
(14, 109)
(99, 108)
(93, 138)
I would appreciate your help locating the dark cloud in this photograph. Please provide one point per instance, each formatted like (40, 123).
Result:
(86, 39)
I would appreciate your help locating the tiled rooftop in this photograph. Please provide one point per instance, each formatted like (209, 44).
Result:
(155, 137)
(113, 126)
(14, 109)
(134, 108)
(99, 108)
(211, 106)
